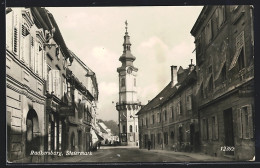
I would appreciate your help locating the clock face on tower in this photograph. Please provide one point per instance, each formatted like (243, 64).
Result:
(129, 70)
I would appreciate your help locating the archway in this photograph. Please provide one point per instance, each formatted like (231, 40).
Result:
(32, 132)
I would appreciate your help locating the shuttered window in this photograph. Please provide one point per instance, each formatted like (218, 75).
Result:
(214, 123)
(54, 82)
(189, 102)
(246, 130)
(16, 39)
(9, 31)
(40, 60)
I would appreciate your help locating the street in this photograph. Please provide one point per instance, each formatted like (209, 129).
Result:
(128, 154)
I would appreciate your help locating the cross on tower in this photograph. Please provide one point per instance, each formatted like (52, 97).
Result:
(126, 25)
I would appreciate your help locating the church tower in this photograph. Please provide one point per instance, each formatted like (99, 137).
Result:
(128, 104)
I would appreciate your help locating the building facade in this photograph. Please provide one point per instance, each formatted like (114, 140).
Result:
(224, 41)
(25, 81)
(128, 104)
(83, 91)
(48, 107)
(170, 121)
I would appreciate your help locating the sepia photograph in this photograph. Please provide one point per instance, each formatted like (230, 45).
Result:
(130, 84)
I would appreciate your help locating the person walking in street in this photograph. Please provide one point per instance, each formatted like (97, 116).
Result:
(99, 143)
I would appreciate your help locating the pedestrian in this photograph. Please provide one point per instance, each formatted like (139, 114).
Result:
(99, 143)
(149, 144)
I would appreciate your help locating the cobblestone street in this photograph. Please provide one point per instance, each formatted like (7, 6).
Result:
(127, 154)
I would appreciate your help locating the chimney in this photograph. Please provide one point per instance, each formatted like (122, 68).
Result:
(191, 66)
(173, 75)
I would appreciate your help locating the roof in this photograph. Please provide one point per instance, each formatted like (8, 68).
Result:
(47, 21)
(169, 92)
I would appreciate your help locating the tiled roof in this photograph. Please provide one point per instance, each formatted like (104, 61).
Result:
(168, 92)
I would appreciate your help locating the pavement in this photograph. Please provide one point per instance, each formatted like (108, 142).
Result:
(123, 154)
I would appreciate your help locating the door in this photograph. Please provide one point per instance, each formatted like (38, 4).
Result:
(228, 130)
(192, 132)
(153, 141)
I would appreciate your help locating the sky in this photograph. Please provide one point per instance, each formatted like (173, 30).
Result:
(160, 37)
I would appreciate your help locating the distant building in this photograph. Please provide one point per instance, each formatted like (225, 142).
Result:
(170, 120)
(224, 40)
(128, 104)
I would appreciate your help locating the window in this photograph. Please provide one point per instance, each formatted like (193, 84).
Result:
(172, 111)
(201, 91)
(142, 122)
(159, 138)
(208, 32)
(134, 81)
(165, 115)
(146, 121)
(221, 15)
(178, 108)
(166, 138)
(210, 69)
(26, 47)
(131, 128)
(205, 133)
(198, 47)
(210, 87)
(153, 119)
(189, 102)
(223, 73)
(241, 60)
(246, 120)
(214, 128)
(123, 82)
(54, 81)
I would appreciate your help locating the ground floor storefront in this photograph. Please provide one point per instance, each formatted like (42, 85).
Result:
(227, 127)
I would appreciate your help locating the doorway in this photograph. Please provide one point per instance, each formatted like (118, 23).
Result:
(32, 132)
(228, 130)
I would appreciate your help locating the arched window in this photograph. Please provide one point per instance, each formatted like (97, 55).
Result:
(131, 128)
(123, 82)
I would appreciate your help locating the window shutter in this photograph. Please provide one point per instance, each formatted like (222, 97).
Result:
(22, 40)
(16, 42)
(250, 122)
(36, 57)
(59, 85)
(216, 127)
(50, 82)
(210, 128)
(32, 53)
(54, 81)
(239, 123)
(9, 31)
